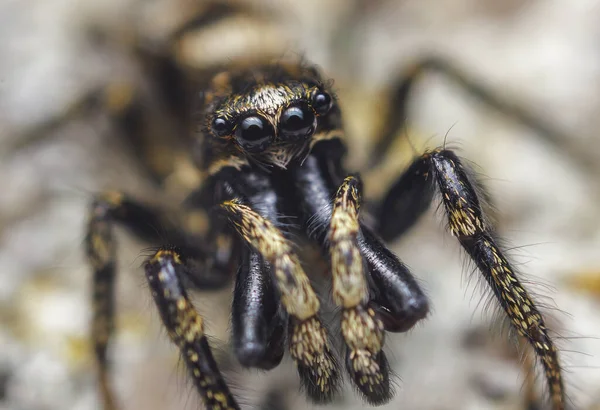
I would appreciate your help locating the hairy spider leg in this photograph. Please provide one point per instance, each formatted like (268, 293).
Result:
(148, 224)
(308, 343)
(362, 329)
(467, 223)
(186, 328)
(531, 397)
(400, 96)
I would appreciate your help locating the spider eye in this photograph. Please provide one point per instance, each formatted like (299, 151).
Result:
(254, 133)
(298, 121)
(220, 127)
(321, 102)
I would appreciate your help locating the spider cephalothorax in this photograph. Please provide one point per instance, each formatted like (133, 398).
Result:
(266, 115)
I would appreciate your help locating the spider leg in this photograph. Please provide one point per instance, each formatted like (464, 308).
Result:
(400, 95)
(186, 327)
(467, 223)
(532, 400)
(308, 343)
(110, 208)
(362, 330)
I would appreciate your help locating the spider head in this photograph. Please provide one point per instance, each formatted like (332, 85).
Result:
(270, 115)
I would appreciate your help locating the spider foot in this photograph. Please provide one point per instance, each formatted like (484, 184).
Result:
(366, 363)
(317, 367)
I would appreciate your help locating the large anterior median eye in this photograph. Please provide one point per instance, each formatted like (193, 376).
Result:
(254, 133)
(298, 121)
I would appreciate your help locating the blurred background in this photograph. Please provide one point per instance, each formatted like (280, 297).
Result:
(541, 55)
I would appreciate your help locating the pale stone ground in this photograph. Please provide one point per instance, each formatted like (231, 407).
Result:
(544, 54)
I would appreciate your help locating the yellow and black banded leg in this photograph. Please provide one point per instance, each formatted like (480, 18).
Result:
(467, 223)
(186, 328)
(148, 224)
(400, 96)
(308, 342)
(362, 329)
(101, 254)
(532, 400)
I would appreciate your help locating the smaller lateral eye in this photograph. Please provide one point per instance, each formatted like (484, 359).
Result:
(321, 102)
(220, 127)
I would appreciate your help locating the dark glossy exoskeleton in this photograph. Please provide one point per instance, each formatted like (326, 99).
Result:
(270, 146)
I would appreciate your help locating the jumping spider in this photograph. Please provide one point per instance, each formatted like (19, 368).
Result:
(271, 145)
(270, 149)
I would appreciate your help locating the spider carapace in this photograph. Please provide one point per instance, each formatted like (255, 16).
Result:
(270, 144)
